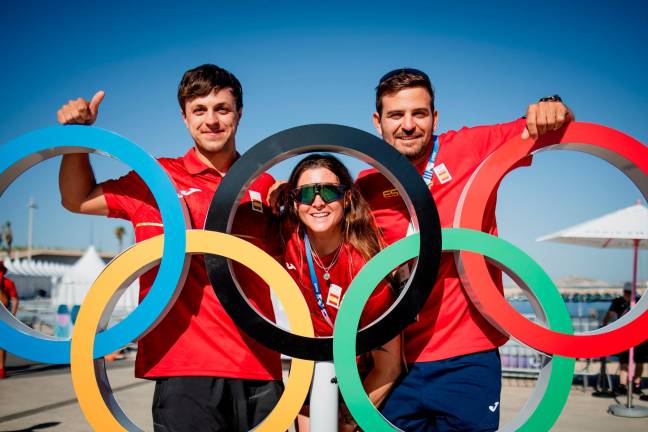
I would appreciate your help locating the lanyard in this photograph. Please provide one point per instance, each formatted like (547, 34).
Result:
(404, 271)
(429, 168)
(315, 283)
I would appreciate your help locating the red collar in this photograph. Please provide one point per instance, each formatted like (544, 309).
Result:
(195, 166)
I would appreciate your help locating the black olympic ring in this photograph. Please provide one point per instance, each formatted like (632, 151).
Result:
(368, 148)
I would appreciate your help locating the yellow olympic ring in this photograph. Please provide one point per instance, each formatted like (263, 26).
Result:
(104, 293)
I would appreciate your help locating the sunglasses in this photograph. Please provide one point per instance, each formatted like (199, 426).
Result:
(327, 191)
(400, 71)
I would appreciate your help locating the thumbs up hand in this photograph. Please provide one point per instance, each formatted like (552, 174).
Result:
(80, 111)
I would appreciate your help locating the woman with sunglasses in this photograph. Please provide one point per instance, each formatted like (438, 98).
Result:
(329, 234)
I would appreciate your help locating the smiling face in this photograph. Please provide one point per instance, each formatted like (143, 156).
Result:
(407, 121)
(320, 218)
(212, 121)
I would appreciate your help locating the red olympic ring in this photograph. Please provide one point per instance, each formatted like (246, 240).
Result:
(624, 152)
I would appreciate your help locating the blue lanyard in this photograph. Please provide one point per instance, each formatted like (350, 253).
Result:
(315, 282)
(429, 168)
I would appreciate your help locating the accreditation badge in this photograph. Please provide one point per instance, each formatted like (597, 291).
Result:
(334, 296)
(442, 173)
(256, 201)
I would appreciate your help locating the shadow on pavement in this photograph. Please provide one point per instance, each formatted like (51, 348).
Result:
(37, 427)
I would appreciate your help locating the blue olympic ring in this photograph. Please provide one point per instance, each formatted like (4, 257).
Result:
(23, 152)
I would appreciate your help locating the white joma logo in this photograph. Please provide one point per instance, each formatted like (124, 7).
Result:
(290, 266)
(184, 193)
(492, 408)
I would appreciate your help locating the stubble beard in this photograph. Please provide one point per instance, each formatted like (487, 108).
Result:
(414, 154)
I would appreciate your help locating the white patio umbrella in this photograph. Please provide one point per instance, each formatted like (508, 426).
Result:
(625, 228)
(622, 229)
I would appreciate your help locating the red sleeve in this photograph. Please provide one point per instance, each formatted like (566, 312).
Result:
(124, 195)
(264, 183)
(252, 224)
(483, 140)
(362, 175)
(493, 137)
(255, 224)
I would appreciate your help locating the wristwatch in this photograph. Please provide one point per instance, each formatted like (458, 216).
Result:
(554, 98)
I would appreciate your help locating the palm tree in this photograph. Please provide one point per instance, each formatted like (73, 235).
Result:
(120, 231)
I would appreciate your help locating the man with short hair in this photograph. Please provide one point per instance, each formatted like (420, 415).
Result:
(209, 375)
(9, 299)
(454, 376)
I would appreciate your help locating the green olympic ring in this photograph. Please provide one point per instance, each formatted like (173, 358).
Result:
(554, 383)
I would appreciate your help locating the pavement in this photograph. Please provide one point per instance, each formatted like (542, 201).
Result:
(41, 398)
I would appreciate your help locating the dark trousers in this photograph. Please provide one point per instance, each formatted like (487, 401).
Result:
(212, 404)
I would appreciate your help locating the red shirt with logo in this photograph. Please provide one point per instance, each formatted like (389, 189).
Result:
(449, 325)
(348, 264)
(197, 337)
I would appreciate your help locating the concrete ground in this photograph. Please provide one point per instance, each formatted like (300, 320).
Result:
(42, 399)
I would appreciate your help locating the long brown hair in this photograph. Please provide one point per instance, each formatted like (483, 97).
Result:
(358, 225)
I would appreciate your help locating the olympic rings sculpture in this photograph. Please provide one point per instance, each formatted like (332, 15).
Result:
(85, 352)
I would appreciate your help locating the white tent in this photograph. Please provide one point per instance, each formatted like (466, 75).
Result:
(76, 282)
(26, 267)
(34, 278)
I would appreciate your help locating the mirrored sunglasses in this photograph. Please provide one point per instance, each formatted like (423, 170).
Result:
(327, 191)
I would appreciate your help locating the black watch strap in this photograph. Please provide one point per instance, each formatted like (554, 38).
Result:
(554, 98)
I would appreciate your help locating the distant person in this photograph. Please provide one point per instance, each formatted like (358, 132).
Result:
(9, 299)
(329, 236)
(619, 307)
(209, 375)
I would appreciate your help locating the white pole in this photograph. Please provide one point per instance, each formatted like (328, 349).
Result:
(30, 226)
(324, 399)
(631, 363)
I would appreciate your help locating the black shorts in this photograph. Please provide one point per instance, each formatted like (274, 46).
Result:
(212, 404)
(640, 354)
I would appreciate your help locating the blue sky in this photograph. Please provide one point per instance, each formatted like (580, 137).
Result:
(301, 63)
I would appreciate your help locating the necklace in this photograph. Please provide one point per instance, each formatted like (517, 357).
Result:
(320, 264)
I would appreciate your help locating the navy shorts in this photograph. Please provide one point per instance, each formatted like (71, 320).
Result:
(459, 394)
